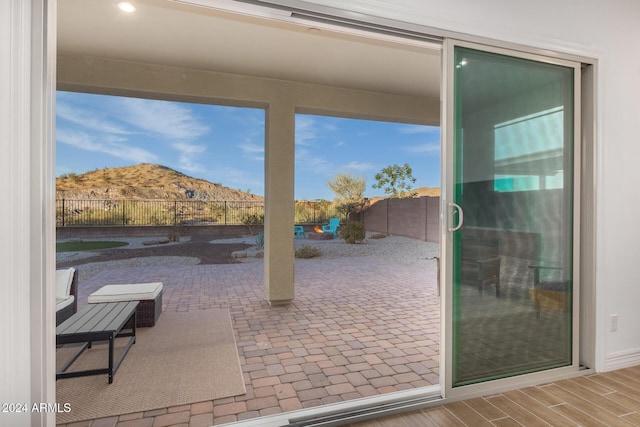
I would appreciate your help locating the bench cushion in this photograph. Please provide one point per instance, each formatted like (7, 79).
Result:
(64, 278)
(64, 302)
(126, 292)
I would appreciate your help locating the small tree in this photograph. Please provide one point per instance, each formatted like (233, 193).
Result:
(349, 192)
(396, 181)
(347, 188)
(251, 220)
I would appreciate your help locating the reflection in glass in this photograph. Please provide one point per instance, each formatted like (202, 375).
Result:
(513, 172)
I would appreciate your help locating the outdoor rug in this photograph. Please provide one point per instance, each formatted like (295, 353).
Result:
(187, 357)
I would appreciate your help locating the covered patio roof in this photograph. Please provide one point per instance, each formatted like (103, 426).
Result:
(276, 45)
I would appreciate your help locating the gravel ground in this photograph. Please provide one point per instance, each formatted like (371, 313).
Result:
(203, 250)
(396, 248)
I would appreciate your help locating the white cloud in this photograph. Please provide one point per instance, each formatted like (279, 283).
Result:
(111, 145)
(161, 118)
(189, 148)
(306, 130)
(252, 151)
(89, 119)
(358, 166)
(187, 155)
(423, 148)
(419, 129)
(313, 162)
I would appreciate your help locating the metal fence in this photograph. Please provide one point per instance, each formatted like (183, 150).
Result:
(71, 212)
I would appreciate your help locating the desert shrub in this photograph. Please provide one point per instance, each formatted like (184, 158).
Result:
(352, 232)
(174, 233)
(251, 220)
(307, 252)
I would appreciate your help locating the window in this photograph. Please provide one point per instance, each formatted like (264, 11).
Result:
(529, 151)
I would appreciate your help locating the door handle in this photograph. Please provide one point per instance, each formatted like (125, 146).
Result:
(454, 207)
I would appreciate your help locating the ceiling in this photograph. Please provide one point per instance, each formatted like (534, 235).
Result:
(172, 33)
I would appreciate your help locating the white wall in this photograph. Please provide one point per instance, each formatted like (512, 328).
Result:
(15, 370)
(607, 30)
(27, 306)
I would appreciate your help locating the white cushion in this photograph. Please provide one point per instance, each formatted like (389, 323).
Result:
(64, 278)
(64, 302)
(126, 292)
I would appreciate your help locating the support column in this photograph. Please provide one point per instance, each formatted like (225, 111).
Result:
(279, 209)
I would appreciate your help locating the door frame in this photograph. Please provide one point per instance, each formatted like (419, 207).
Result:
(43, 256)
(583, 305)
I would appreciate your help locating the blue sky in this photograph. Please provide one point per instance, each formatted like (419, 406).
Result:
(226, 144)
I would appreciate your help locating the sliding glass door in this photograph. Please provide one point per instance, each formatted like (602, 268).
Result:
(510, 217)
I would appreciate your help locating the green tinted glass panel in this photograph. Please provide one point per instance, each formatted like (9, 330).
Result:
(512, 259)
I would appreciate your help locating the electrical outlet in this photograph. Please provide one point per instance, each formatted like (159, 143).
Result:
(613, 322)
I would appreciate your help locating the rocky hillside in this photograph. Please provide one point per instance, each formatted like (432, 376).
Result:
(144, 181)
(420, 192)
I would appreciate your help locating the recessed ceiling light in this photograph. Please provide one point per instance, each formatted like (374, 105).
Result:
(125, 6)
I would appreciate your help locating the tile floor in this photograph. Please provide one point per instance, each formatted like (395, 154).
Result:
(607, 399)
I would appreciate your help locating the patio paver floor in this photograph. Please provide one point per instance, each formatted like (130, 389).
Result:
(358, 327)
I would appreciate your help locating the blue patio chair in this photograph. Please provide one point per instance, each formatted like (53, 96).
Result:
(298, 230)
(332, 227)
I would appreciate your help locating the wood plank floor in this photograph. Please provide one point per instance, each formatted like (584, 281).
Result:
(607, 399)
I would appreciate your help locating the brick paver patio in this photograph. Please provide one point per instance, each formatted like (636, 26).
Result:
(358, 327)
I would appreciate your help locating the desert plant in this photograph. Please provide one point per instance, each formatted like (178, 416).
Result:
(174, 233)
(352, 232)
(251, 220)
(348, 188)
(349, 193)
(307, 252)
(260, 241)
(396, 181)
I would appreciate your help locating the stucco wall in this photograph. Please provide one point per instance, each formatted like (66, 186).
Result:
(417, 218)
(155, 231)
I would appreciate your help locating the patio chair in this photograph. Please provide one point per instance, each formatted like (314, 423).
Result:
(480, 262)
(550, 294)
(332, 227)
(66, 294)
(298, 230)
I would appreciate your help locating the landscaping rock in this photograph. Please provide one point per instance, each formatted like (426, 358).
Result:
(155, 242)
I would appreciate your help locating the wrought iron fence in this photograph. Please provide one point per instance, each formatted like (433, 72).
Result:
(70, 212)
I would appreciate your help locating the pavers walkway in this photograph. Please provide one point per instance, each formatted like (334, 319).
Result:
(358, 327)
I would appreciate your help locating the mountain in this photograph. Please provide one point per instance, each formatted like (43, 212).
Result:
(144, 181)
(427, 191)
(420, 192)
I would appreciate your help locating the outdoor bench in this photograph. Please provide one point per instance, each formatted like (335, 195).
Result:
(149, 295)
